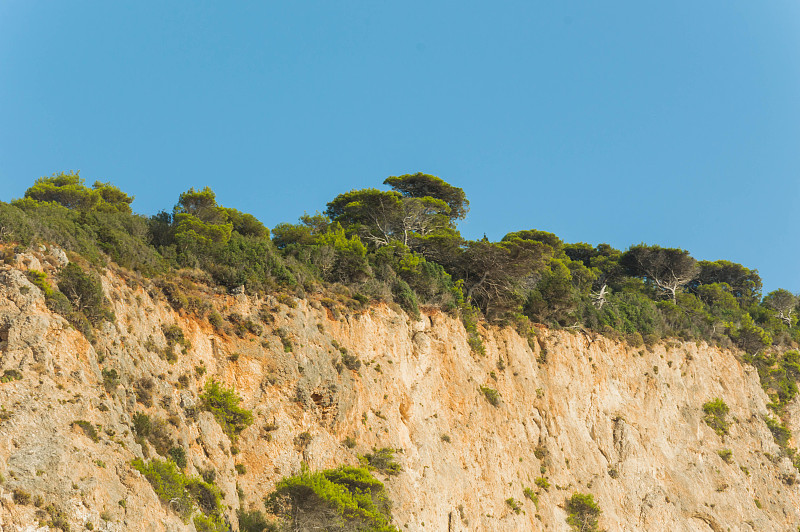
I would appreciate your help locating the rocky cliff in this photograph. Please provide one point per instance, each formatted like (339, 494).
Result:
(574, 413)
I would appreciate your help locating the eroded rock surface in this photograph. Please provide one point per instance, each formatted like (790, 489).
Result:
(589, 414)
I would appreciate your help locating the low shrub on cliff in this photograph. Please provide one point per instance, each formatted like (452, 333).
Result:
(582, 512)
(345, 498)
(716, 415)
(224, 404)
(184, 494)
(382, 460)
(492, 395)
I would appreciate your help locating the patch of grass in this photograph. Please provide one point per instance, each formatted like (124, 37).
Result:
(542, 483)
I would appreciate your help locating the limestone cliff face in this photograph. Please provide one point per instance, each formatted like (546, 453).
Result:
(589, 414)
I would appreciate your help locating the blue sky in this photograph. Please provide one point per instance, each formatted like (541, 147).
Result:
(675, 123)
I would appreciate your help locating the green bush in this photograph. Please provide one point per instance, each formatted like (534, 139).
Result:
(514, 505)
(254, 521)
(491, 395)
(382, 460)
(346, 498)
(716, 412)
(582, 513)
(780, 432)
(88, 429)
(178, 455)
(11, 375)
(726, 455)
(85, 292)
(110, 379)
(224, 404)
(184, 493)
(530, 494)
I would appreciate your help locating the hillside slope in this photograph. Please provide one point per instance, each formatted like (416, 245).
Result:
(586, 413)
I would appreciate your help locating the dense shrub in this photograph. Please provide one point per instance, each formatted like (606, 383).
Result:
(346, 498)
(382, 460)
(716, 412)
(582, 513)
(224, 404)
(184, 494)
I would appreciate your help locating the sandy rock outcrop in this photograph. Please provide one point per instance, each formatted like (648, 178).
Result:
(576, 413)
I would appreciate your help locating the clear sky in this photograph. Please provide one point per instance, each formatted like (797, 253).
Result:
(672, 123)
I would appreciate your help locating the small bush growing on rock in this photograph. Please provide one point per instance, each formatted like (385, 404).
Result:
(182, 492)
(530, 494)
(726, 455)
(716, 412)
(492, 395)
(57, 518)
(178, 455)
(216, 321)
(85, 292)
(382, 460)
(780, 432)
(110, 379)
(514, 505)
(351, 362)
(346, 498)
(303, 439)
(224, 404)
(11, 375)
(87, 429)
(582, 513)
(154, 430)
(21, 496)
(241, 469)
(543, 483)
(254, 521)
(283, 334)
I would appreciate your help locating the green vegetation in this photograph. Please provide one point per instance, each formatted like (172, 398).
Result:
(542, 483)
(514, 505)
(382, 460)
(402, 247)
(491, 395)
(716, 412)
(582, 513)
(254, 521)
(10, 375)
(532, 496)
(224, 404)
(87, 429)
(185, 494)
(156, 431)
(346, 498)
(726, 455)
(399, 246)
